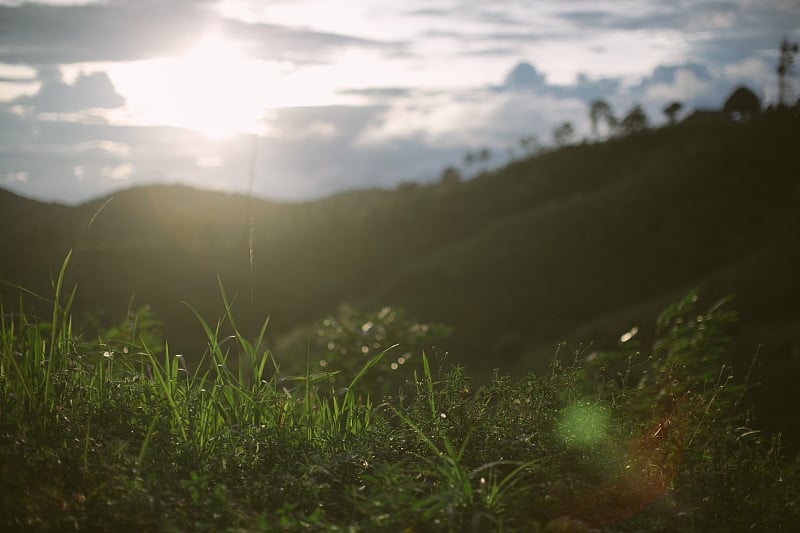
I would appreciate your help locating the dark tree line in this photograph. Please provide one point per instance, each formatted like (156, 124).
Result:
(635, 120)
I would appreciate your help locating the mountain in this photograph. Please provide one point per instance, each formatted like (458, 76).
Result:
(577, 245)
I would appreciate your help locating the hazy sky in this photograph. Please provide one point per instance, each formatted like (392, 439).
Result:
(98, 96)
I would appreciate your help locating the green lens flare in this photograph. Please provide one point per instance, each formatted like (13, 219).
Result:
(582, 424)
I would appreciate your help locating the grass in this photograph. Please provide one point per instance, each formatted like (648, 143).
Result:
(118, 432)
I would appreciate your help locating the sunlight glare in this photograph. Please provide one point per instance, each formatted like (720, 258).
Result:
(212, 88)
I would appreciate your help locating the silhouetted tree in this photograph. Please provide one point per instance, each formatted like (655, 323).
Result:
(450, 176)
(469, 160)
(563, 134)
(672, 110)
(484, 155)
(634, 122)
(742, 103)
(529, 144)
(785, 63)
(600, 110)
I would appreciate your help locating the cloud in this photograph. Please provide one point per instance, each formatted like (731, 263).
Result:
(696, 86)
(589, 89)
(525, 77)
(72, 161)
(447, 78)
(88, 91)
(49, 34)
(17, 74)
(348, 121)
(618, 19)
(526, 103)
(133, 30)
(691, 83)
(16, 81)
(685, 16)
(270, 41)
(119, 172)
(115, 149)
(749, 70)
(494, 116)
(17, 177)
(714, 32)
(378, 93)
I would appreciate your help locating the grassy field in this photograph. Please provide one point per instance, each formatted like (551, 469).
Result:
(116, 432)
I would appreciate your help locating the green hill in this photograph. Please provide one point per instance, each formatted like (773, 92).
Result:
(576, 245)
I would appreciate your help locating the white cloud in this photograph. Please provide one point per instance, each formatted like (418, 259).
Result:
(17, 81)
(119, 172)
(122, 150)
(749, 69)
(13, 90)
(470, 119)
(86, 91)
(685, 85)
(444, 120)
(18, 177)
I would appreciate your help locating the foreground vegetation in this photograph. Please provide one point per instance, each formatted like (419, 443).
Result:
(112, 433)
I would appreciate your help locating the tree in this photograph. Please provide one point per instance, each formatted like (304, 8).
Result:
(469, 160)
(563, 134)
(784, 69)
(450, 176)
(529, 144)
(672, 111)
(600, 110)
(742, 103)
(634, 122)
(484, 155)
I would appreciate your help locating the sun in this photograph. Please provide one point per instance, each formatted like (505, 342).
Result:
(212, 88)
(220, 90)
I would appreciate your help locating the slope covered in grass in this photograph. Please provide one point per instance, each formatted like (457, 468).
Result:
(575, 245)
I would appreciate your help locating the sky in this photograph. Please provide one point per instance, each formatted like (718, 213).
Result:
(313, 97)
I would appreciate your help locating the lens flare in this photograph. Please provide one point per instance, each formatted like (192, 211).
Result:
(582, 424)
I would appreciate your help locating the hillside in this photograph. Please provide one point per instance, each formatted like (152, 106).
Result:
(574, 245)
(616, 226)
